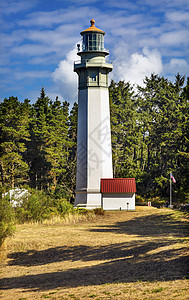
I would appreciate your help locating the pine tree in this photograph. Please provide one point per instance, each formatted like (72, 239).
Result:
(48, 150)
(14, 133)
(72, 140)
(161, 109)
(183, 146)
(39, 166)
(125, 134)
(56, 142)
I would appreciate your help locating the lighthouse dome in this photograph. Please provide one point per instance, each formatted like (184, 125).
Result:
(92, 28)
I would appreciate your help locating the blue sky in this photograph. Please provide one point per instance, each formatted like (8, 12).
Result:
(38, 42)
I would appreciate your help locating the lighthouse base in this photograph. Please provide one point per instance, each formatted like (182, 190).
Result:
(88, 200)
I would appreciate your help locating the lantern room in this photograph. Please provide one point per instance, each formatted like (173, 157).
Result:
(93, 39)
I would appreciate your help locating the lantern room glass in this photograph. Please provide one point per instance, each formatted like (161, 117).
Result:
(93, 42)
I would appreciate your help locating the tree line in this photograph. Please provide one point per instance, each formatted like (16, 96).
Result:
(150, 138)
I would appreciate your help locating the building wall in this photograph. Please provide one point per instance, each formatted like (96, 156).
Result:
(117, 201)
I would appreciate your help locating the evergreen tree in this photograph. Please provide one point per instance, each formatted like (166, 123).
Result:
(49, 147)
(150, 138)
(183, 149)
(162, 111)
(72, 139)
(125, 130)
(56, 142)
(14, 133)
(39, 166)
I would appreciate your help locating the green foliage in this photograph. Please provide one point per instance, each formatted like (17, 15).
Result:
(72, 157)
(124, 129)
(36, 206)
(64, 207)
(150, 135)
(39, 206)
(7, 219)
(140, 200)
(48, 148)
(157, 202)
(14, 133)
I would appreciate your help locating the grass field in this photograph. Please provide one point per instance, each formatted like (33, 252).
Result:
(121, 255)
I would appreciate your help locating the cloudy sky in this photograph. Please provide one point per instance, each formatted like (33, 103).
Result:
(38, 42)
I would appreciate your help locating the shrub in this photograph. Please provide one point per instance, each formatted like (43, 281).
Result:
(64, 207)
(140, 199)
(7, 219)
(37, 206)
(157, 202)
(99, 211)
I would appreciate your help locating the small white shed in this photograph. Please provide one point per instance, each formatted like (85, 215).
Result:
(118, 193)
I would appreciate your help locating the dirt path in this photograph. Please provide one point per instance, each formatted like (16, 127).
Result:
(122, 255)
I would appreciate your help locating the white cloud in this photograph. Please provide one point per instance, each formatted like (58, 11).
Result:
(32, 74)
(82, 2)
(58, 37)
(162, 4)
(174, 38)
(32, 50)
(132, 68)
(65, 77)
(137, 66)
(61, 16)
(10, 40)
(38, 43)
(177, 16)
(176, 65)
(8, 7)
(157, 5)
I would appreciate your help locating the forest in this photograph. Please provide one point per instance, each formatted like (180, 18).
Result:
(150, 138)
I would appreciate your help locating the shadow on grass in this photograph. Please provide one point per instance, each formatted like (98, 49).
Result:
(155, 267)
(157, 226)
(134, 249)
(145, 260)
(151, 225)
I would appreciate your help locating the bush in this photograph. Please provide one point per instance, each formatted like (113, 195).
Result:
(64, 207)
(157, 202)
(140, 199)
(37, 206)
(99, 211)
(7, 219)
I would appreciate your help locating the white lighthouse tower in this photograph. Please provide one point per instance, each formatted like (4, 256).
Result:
(94, 153)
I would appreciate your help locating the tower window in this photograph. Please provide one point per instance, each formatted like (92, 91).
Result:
(93, 77)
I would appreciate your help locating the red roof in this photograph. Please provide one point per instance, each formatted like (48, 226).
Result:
(118, 185)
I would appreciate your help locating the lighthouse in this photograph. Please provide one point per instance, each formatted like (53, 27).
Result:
(94, 153)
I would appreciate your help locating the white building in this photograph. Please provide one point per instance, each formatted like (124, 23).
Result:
(118, 193)
(17, 196)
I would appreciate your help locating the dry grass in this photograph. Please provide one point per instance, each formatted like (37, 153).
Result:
(121, 255)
